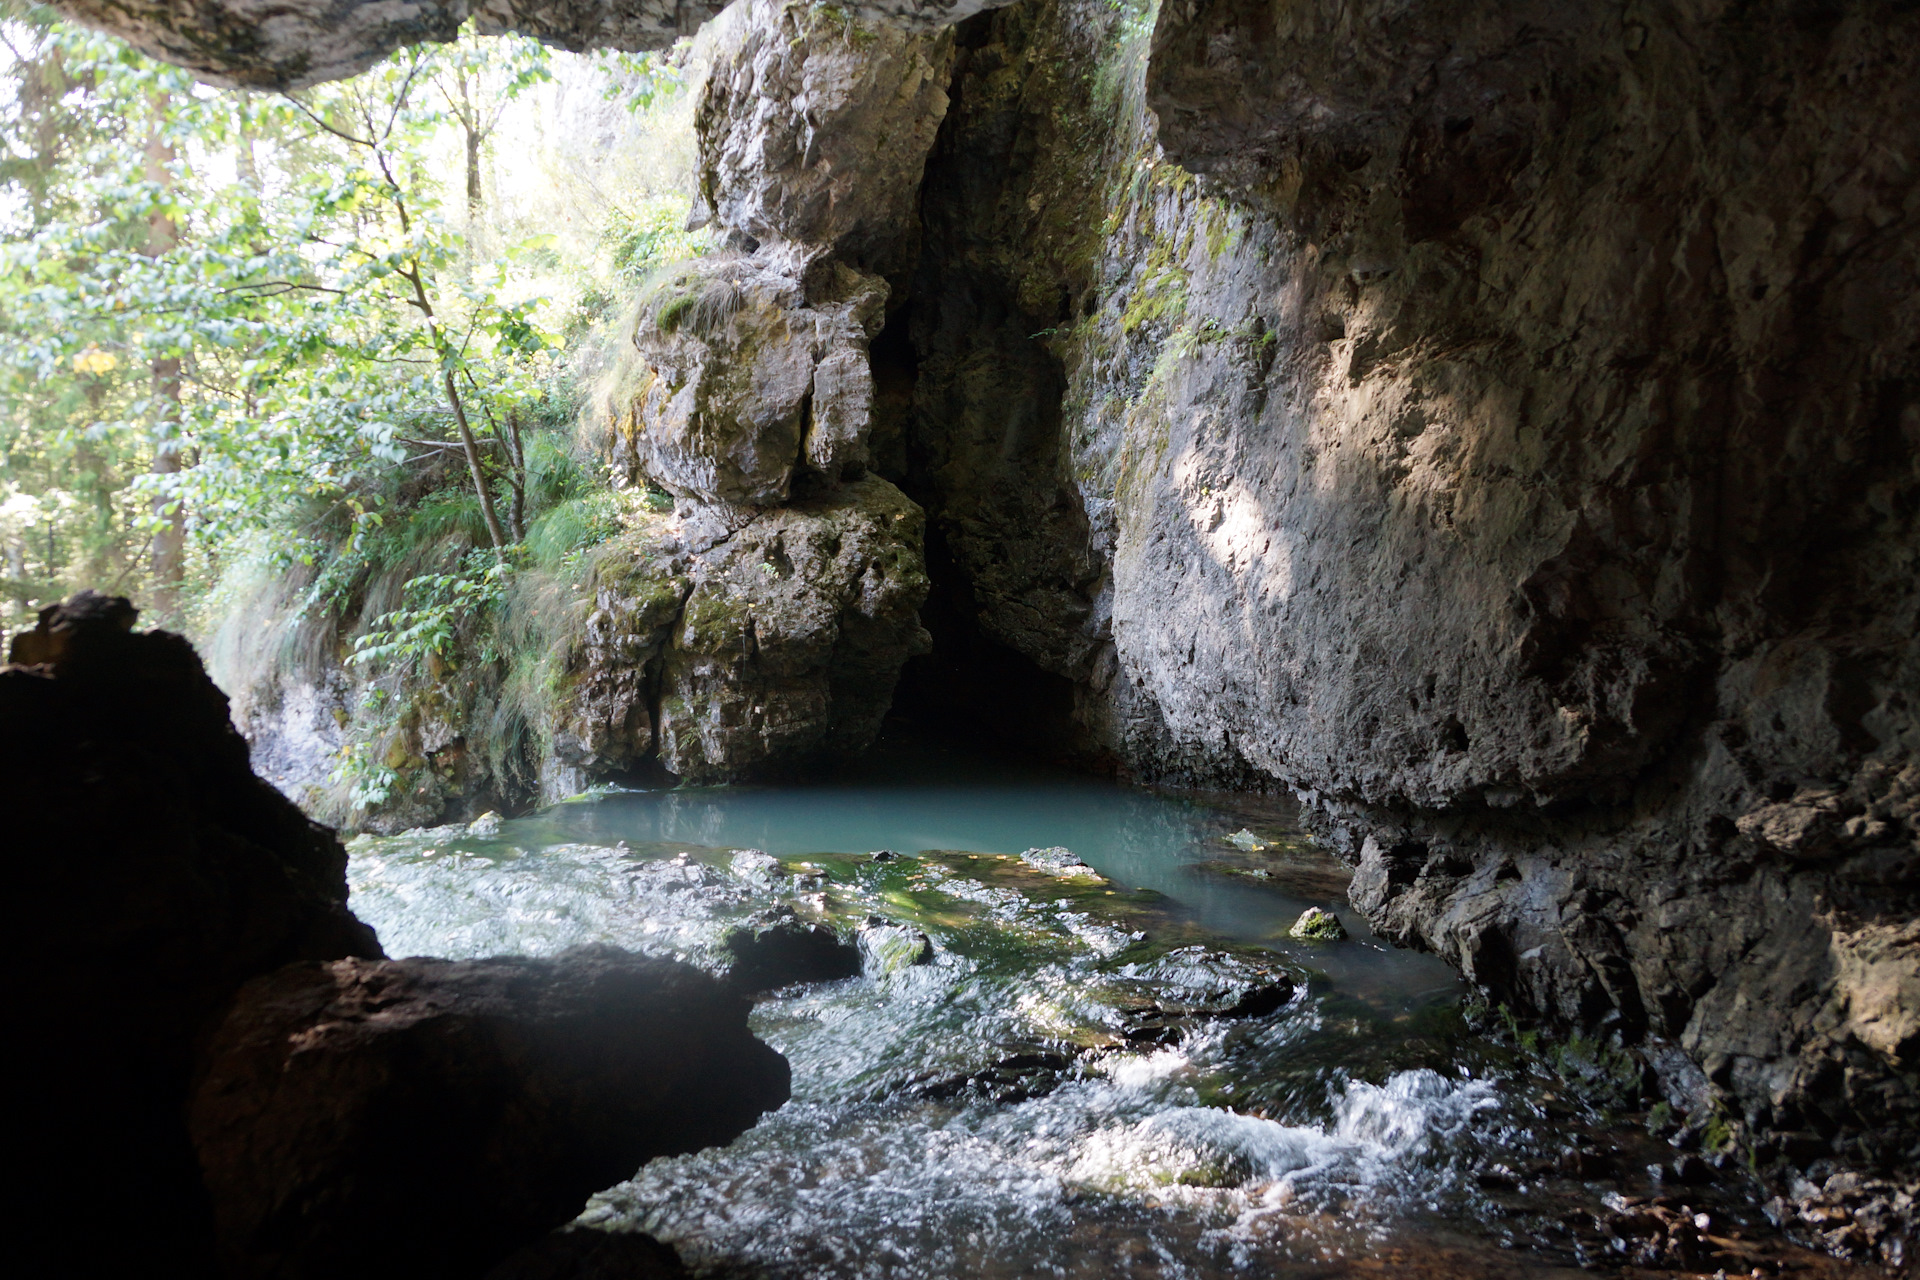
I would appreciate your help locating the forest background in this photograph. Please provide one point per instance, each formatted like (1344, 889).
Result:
(307, 370)
(243, 335)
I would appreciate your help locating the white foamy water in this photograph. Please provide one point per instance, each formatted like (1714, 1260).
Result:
(1056, 1094)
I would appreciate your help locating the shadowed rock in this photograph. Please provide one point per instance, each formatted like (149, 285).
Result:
(593, 1255)
(777, 948)
(157, 874)
(422, 1118)
(353, 1116)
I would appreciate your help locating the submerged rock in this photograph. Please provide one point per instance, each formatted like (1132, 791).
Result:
(1318, 925)
(1061, 862)
(886, 947)
(1016, 1075)
(423, 1118)
(776, 948)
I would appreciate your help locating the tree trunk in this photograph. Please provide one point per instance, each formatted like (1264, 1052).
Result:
(472, 448)
(470, 114)
(476, 196)
(246, 163)
(165, 554)
(519, 478)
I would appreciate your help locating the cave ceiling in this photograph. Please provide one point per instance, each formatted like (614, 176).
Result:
(289, 44)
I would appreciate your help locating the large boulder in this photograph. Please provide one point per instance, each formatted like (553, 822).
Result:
(156, 875)
(746, 371)
(814, 128)
(352, 1116)
(794, 636)
(424, 1118)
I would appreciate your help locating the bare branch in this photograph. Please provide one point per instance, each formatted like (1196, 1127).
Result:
(302, 108)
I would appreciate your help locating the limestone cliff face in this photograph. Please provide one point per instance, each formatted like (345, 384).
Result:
(1566, 548)
(1499, 426)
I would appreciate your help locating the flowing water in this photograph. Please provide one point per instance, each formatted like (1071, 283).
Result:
(1116, 1062)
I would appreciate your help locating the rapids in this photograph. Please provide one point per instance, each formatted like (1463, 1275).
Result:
(1116, 1063)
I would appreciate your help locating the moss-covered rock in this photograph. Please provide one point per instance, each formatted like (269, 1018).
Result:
(794, 634)
(743, 373)
(1317, 924)
(603, 715)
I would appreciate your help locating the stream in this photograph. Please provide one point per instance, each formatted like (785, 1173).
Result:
(1114, 1062)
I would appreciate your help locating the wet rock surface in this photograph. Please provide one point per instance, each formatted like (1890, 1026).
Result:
(732, 643)
(489, 1096)
(887, 948)
(750, 396)
(776, 948)
(1318, 925)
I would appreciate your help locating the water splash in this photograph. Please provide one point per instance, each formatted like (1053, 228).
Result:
(1081, 1080)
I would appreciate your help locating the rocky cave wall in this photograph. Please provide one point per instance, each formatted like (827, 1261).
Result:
(1499, 426)
(1497, 423)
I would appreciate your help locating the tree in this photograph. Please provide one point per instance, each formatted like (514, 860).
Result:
(182, 358)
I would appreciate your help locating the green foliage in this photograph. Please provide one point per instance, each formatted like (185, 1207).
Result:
(644, 81)
(560, 536)
(285, 351)
(1718, 1135)
(1598, 1069)
(1119, 73)
(651, 233)
(285, 333)
(436, 605)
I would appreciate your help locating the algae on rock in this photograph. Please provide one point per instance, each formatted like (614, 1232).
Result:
(794, 635)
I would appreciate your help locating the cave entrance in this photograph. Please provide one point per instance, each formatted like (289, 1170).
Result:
(972, 687)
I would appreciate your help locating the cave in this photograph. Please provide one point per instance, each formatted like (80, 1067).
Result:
(1450, 468)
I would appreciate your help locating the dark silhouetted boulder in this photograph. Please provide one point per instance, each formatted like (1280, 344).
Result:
(424, 1118)
(152, 874)
(777, 948)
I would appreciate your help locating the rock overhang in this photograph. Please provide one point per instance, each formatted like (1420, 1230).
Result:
(250, 44)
